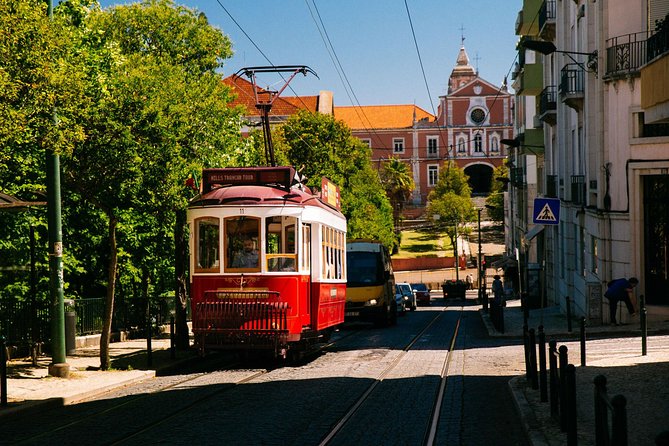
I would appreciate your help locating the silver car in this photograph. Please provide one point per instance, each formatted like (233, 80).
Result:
(408, 295)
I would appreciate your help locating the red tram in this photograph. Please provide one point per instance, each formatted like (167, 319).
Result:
(268, 261)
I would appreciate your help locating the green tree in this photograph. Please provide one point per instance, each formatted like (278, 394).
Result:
(157, 112)
(319, 145)
(398, 184)
(449, 203)
(495, 201)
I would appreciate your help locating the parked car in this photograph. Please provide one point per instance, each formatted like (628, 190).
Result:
(421, 293)
(408, 296)
(400, 300)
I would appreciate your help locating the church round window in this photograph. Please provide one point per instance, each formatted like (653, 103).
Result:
(477, 115)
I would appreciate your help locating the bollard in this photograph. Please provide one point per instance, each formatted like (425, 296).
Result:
(3, 372)
(532, 371)
(570, 416)
(543, 383)
(601, 416)
(554, 385)
(564, 361)
(582, 342)
(173, 350)
(643, 316)
(526, 347)
(568, 314)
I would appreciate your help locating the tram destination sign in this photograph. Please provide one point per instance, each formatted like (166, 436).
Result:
(232, 176)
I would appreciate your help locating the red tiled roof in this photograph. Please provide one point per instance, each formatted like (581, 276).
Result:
(282, 106)
(381, 116)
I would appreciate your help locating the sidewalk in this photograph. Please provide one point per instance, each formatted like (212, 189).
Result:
(31, 388)
(612, 351)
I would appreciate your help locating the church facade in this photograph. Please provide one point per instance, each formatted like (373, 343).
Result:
(472, 119)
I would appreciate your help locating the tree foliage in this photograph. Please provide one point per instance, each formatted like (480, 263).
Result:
(449, 203)
(319, 145)
(495, 201)
(398, 183)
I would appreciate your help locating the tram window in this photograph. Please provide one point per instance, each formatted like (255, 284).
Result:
(306, 247)
(241, 243)
(207, 239)
(280, 249)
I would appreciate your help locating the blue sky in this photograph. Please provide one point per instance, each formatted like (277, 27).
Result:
(372, 40)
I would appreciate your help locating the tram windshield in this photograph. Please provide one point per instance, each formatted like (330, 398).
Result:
(241, 243)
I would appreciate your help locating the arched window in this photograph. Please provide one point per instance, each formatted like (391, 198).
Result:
(478, 143)
(461, 145)
(494, 144)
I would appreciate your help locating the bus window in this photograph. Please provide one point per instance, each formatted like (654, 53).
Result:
(241, 243)
(281, 246)
(207, 244)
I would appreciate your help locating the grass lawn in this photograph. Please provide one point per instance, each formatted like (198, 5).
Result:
(424, 243)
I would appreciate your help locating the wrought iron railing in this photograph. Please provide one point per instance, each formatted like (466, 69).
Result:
(572, 79)
(547, 99)
(546, 13)
(658, 43)
(625, 54)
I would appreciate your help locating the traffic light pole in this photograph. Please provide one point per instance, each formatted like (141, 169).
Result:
(58, 367)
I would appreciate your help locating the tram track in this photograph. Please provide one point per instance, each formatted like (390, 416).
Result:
(431, 431)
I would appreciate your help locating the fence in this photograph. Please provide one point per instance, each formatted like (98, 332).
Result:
(23, 322)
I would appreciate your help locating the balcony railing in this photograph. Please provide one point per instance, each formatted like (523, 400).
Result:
(547, 99)
(546, 13)
(625, 54)
(572, 80)
(578, 189)
(658, 43)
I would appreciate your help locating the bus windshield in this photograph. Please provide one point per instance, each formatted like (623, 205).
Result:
(364, 268)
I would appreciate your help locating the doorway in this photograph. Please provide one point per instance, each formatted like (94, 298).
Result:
(656, 238)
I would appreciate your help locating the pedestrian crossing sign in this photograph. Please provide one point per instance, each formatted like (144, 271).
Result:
(546, 211)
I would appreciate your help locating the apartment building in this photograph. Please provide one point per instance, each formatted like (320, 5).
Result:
(592, 87)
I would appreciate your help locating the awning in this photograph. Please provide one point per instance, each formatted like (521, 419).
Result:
(536, 229)
(504, 262)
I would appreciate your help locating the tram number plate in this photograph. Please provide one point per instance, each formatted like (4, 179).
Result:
(351, 314)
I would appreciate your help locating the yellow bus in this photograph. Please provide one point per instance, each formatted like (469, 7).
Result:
(370, 284)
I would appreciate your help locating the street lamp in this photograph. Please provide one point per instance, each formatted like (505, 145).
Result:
(547, 48)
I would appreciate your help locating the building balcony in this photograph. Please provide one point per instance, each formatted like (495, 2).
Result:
(625, 55)
(530, 81)
(655, 78)
(572, 85)
(526, 23)
(547, 20)
(578, 189)
(548, 105)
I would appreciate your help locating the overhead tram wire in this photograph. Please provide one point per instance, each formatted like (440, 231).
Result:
(427, 87)
(342, 74)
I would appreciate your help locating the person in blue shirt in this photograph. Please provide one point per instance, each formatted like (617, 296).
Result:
(620, 290)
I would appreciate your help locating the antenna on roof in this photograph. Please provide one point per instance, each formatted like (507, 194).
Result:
(265, 98)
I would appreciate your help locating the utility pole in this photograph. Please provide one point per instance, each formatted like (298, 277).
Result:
(59, 366)
(482, 297)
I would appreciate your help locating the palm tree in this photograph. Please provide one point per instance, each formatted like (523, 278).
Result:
(398, 182)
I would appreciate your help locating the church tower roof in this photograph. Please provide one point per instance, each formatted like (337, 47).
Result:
(463, 72)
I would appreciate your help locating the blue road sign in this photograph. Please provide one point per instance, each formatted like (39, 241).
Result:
(546, 211)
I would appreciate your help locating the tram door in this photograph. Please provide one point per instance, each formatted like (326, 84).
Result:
(656, 238)
(305, 259)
